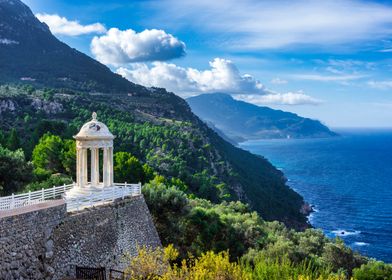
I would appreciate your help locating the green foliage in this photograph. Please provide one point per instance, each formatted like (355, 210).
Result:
(68, 157)
(53, 180)
(127, 168)
(373, 270)
(339, 256)
(13, 141)
(15, 172)
(47, 154)
(196, 225)
(161, 264)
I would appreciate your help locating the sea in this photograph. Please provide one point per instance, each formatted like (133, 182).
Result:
(347, 179)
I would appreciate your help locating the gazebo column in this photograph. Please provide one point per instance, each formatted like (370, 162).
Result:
(78, 167)
(105, 169)
(111, 180)
(94, 167)
(96, 151)
(85, 170)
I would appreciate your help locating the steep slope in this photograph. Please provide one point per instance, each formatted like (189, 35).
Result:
(28, 51)
(240, 120)
(156, 126)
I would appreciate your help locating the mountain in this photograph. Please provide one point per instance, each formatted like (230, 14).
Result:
(28, 51)
(61, 87)
(244, 121)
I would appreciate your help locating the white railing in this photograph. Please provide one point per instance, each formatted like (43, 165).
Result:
(19, 200)
(106, 195)
(118, 191)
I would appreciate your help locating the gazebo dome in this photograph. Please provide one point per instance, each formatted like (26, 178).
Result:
(94, 130)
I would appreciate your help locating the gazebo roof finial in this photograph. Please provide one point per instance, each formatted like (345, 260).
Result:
(94, 116)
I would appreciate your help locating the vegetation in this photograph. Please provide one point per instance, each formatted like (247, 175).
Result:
(159, 131)
(15, 172)
(165, 264)
(188, 175)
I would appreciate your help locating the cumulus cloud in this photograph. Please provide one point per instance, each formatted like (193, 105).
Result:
(62, 26)
(119, 47)
(223, 76)
(387, 84)
(289, 98)
(254, 24)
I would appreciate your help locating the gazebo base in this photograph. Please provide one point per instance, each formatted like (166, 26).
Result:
(77, 191)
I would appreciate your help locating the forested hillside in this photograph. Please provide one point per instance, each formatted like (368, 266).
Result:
(159, 129)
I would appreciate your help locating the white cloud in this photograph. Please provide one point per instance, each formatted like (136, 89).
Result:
(62, 26)
(118, 47)
(223, 76)
(278, 81)
(254, 24)
(289, 98)
(328, 78)
(387, 84)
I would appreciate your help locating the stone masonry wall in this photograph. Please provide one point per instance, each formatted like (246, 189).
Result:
(101, 236)
(25, 242)
(49, 243)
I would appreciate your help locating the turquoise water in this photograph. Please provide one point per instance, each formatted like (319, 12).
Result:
(348, 179)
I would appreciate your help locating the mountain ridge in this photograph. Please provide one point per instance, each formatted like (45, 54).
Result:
(241, 121)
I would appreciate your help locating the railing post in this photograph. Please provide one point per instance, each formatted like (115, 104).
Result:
(54, 192)
(12, 201)
(29, 199)
(139, 191)
(90, 199)
(124, 190)
(42, 194)
(64, 188)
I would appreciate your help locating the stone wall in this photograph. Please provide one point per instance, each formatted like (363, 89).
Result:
(51, 242)
(101, 236)
(25, 240)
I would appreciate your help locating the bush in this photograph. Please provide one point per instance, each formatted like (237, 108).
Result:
(53, 180)
(373, 270)
(15, 172)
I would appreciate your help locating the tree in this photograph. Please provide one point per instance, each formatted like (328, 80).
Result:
(68, 157)
(47, 154)
(15, 172)
(13, 142)
(373, 270)
(127, 168)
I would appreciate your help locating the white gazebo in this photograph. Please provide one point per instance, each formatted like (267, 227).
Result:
(95, 139)
(89, 190)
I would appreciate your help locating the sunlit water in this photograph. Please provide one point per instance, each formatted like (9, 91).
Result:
(348, 179)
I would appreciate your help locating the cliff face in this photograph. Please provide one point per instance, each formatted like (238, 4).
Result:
(49, 243)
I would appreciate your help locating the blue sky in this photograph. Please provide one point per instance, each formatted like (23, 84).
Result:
(328, 60)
